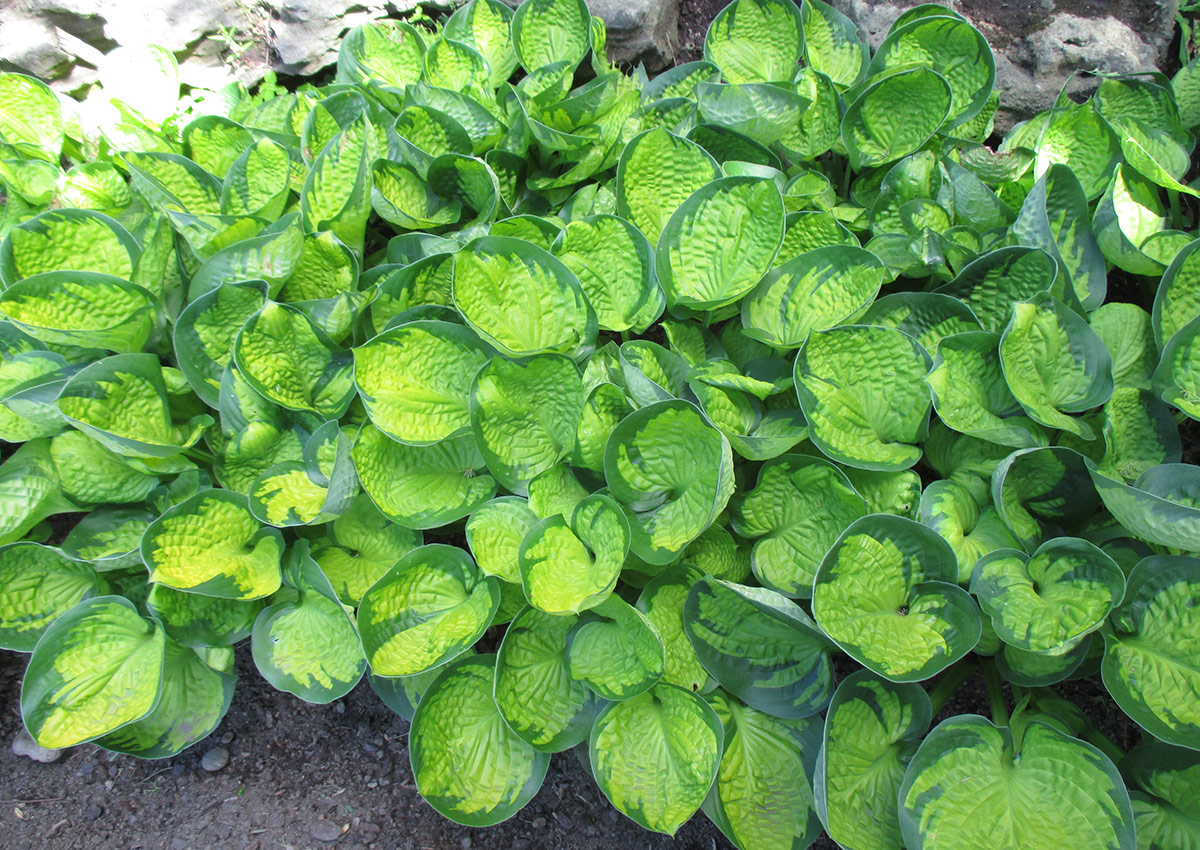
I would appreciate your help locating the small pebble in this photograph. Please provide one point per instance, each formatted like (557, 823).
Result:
(92, 813)
(86, 769)
(179, 844)
(215, 759)
(326, 832)
(24, 745)
(465, 843)
(538, 823)
(368, 829)
(177, 770)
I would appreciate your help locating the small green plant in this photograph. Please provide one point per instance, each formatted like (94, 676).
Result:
(609, 416)
(234, 45)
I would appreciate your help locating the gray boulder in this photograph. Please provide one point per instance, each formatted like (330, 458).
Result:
(63, 41)
(1043, 45)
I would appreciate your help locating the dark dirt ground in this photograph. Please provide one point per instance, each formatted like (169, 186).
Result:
(292, 765)
(296, 769)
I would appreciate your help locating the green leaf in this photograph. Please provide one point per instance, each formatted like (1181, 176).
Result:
(524, 414)
(205, 331)
(970, 394)
(886, 593)
(494, 533)
(1168, 812)
(1055, 364)
(662, 601)
(1043, 488)
(109, 538)
(1079, 138)
(719, 242)
(815, 291)
(361, 546)
(305, 643)
(415, 380)
(520, 299)
(1151, 660)
(169, 181)
(972, 530)
(951, 47)
(468, 764)
(615, 267)
(1126, 331)
(199, 621)
(760, 646)
(421, 486)
(547, 32)
(314, 490)
(122, 402)
(211, 544)
(872, 730)
(98, 667)
(668, 733)
(614, 650)
(40, 585)
(291, 362)
(388, 53)
(485, 25)
(798, 508)
(1128, 214)
(215, 142)
(762, 796)
(89, 472)
(756, 41)
(1049, 601)
(1177, 300)
(67, 240)
(673, 471)
(841, 376)
(894, 116)
(831, 44)
(30, 116)
(534, 690)
(567, 568)
(1161, 506)
(336, 195)
(426, 610)
(657, 172)
(193, 700)
(990, 283)
(1055, 218)
(974, 784)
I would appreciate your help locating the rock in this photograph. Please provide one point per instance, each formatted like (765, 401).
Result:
(24, 745)
(62, 41)
(326, 832)
(214, 759)
(92, 812)
(1040, 45)
(645, 31)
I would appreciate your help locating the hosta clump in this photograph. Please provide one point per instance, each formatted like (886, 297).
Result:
(579, 410)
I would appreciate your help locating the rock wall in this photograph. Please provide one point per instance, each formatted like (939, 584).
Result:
(1040, 45)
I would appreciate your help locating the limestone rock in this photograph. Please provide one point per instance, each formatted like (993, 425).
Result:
(640, 30)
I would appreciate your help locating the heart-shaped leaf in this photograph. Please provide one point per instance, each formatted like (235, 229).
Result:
(98, 667)
(211, 544)
(972, 784)
(427, 609)
(886, 593)
(479, 772)
(673, 734)
(1049, 601)
(1151, 660)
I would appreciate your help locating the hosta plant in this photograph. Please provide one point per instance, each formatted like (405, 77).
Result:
(718, 426)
